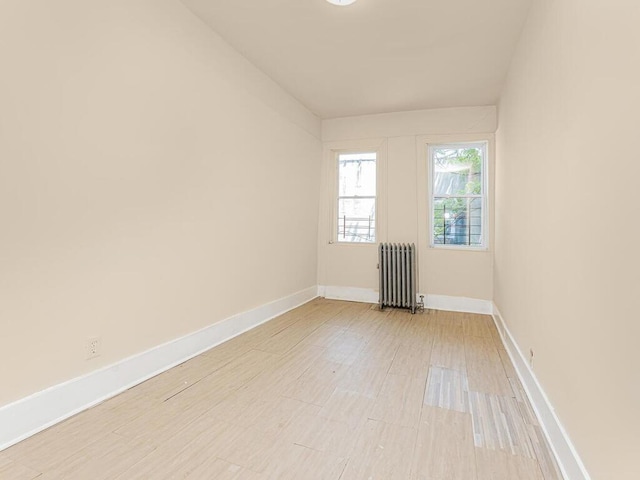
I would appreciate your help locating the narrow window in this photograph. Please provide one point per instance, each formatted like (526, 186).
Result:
(356, 210)
(458, 194)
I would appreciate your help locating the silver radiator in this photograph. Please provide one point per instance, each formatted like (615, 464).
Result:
(397, 264)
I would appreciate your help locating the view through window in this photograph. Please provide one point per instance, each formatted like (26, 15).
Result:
(356, 197)
(458, 194)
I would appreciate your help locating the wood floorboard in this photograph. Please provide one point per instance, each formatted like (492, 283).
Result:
(444, 447)
(331, 391)
(498, 424)
(381, 452)
(498, 465)
(412, 360)
(448, 352)
(295, 462)
(160, 424)
(313, 431)
(444, 323)
(448, 389)
(316, 385)
(474, 325)
(484, 367)
(348, 407)
(548, 465)
(221, 470)
(509, 369)
(345, 348)
(379, 351)
(15, 471)
(102, 460)
(362, 379)
(400, 400)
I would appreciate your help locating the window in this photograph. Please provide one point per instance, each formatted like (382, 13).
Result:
(458, 194)
(356, 219)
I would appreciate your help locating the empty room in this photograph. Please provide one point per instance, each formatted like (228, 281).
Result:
(319, 239)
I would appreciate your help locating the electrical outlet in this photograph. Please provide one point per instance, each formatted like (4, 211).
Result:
(93, 347)
(531, 357)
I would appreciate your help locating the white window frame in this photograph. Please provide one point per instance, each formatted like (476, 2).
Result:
(336, 194)
(484, 145)
(329, 187)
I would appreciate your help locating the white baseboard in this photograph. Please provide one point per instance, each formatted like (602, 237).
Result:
(559, 441)
(434, 302)
(32, 414)
(351, 294)
(458, 304)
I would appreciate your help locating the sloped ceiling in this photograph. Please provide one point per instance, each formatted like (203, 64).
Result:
(374, 56)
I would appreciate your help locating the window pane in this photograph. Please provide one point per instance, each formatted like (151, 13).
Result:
(457, 171)
(457, 221)
(357, 220)
(357, 175)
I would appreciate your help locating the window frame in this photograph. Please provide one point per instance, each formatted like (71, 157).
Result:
(336, 195)
(484, 145)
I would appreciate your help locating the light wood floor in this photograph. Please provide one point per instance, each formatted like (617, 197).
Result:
(331, 390)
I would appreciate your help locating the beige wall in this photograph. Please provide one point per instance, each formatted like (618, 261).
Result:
(402, 199)
(567, 269)
(152, 182)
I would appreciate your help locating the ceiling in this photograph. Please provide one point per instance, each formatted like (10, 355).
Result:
(374, 56)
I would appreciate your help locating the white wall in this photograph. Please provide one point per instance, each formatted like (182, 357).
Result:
(152, 182)
(567, 268)
(402, 199)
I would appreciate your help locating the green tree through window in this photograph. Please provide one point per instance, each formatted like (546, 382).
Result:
(458, 194)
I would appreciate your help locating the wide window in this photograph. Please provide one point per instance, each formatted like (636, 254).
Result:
(458, 194)
(356, 212)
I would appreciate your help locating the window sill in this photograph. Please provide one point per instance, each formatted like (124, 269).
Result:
(460, 248)
(353, 244)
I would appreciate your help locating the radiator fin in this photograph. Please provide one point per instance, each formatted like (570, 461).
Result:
(397, 263)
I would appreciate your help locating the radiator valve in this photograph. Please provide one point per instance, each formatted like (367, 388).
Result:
(420, 305)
